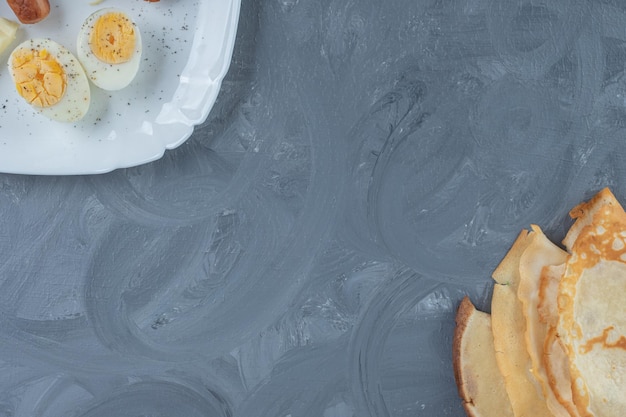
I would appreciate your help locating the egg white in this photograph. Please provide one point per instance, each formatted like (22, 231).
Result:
(74, 104)
(110, 77)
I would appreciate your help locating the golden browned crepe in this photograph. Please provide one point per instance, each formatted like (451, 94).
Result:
(480, 382)
(540, 263)
(558, 323)
(553, 358)
(592, 307)
(509, 328)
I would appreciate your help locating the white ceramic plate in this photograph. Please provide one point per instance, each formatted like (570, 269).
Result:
(187, 48)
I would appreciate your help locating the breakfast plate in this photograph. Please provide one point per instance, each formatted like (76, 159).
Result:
(187, 48)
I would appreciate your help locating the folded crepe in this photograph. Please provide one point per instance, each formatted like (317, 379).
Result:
(480, 382)
(592, 307)
(558, 324)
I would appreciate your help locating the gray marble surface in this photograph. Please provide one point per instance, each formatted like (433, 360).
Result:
(366, 165)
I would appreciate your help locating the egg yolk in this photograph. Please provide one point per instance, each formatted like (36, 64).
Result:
(112, 38)
(38, 77)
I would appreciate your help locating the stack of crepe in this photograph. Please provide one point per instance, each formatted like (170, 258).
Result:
(555, 342)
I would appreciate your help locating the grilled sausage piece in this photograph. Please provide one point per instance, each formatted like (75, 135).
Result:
(30, 11)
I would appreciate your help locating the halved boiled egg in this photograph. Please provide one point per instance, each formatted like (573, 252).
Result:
(50, 79)
(109, 47)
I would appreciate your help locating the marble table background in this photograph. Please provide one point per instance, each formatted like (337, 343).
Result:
(366, 165)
